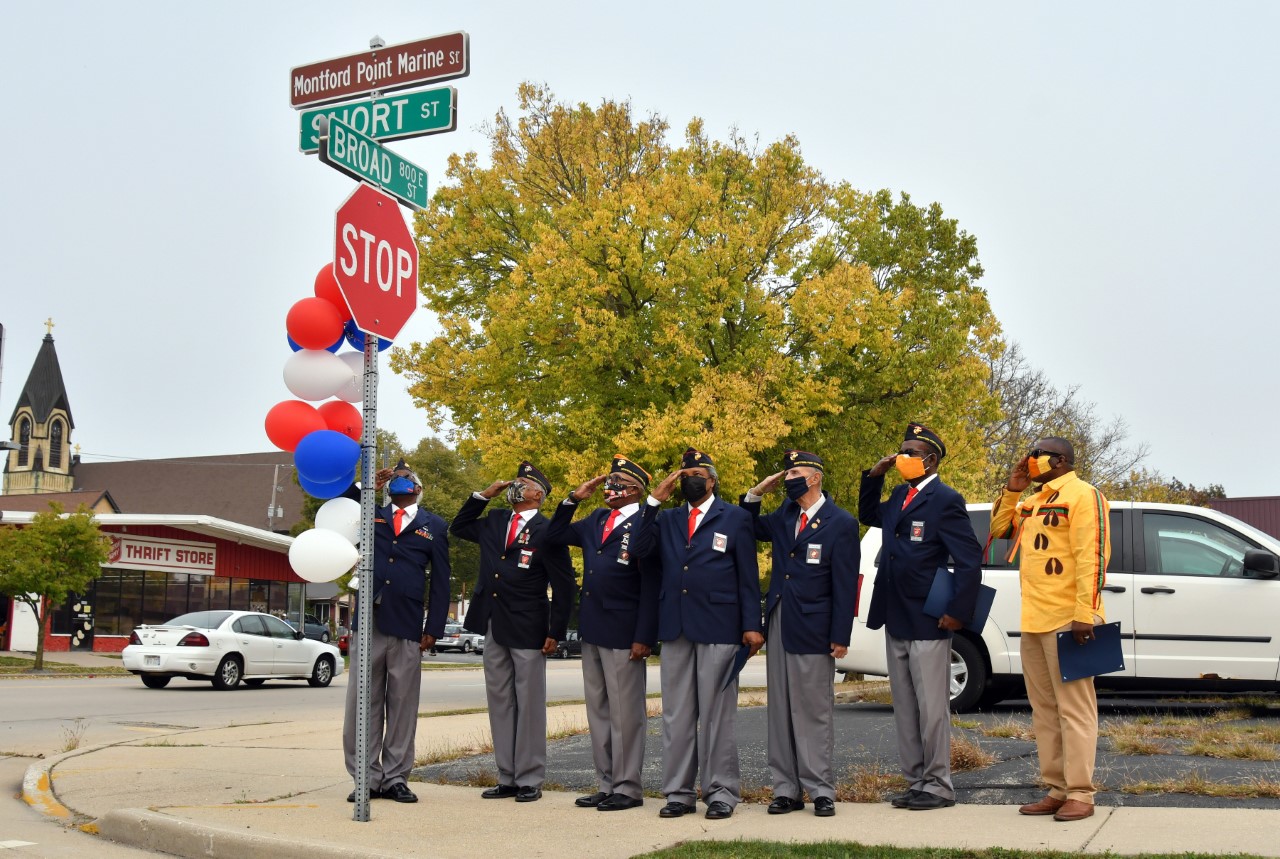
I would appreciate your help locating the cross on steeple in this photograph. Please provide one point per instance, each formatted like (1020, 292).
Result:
(48, 326)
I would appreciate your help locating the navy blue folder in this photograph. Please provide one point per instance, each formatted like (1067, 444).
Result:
(739, 659)
(1099, 655)
(944, 588)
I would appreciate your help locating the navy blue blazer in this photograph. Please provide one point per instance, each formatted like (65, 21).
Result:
(619, 603)
(816, 571)
(915, 543)
(400, 563)
(710, 590)
(511, 589)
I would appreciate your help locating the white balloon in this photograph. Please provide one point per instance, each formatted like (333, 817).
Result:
(314, 374)
(353, 390)
(321, 556)
(341, 515)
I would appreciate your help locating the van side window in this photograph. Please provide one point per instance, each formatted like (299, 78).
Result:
(1189, 546)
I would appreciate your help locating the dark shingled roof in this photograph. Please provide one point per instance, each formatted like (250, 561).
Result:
(235, 487)
(38, 502)
(44, 390)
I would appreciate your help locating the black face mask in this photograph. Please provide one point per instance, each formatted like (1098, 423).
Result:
(693, 488)
(796, 487)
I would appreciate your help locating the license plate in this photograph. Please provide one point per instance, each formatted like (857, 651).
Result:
(151, 660)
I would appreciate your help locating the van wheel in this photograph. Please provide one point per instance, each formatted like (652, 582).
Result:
(968, 675)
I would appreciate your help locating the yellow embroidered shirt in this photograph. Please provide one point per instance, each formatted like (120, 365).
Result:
(1062, 532)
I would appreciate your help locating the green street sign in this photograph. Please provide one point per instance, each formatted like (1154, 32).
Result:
(414, 114)
(360, 157)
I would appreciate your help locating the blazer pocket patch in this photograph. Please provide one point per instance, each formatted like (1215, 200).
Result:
(723, 598)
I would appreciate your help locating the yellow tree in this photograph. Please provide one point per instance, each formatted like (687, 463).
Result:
(600, 289)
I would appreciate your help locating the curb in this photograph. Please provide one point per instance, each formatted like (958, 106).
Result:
(150, 830)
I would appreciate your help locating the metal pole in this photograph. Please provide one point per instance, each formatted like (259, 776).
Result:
(368, 442)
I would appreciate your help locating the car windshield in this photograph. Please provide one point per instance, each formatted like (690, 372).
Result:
(201, 619)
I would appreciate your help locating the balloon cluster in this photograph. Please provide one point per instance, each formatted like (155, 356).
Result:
(324, 439)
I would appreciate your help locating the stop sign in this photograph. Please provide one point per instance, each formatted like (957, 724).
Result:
(375, 262)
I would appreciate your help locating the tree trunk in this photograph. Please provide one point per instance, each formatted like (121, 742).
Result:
(41, 609)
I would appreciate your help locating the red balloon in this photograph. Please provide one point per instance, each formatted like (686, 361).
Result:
(314, 323)
(287, 422)
(343, 417)
(327, 288)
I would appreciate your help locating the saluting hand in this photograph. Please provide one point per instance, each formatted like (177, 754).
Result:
(664, 489)
(586, 490)
(383, 477)
(881, 468)
(767, 485)
(496, 488)
(1019, 478)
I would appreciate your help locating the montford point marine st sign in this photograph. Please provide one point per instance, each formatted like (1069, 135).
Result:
(382, 69)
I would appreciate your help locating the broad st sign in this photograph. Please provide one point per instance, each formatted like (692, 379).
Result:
(438, 58)
(411, 114)
(361, 158)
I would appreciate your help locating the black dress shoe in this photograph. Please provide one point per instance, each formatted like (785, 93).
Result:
(784, 804)
(718, 810)
(373, 794)
(528, 794)
(824, 806)
(399, 792)
(619, 802)
(903, 799)
(502, 791)
(928, 801)
(676, 809)
(592, 801)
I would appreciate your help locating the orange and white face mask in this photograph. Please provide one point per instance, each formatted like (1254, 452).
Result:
(910, 467)
(1038, 465)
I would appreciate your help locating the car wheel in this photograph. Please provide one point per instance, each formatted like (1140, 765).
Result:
(324, 636)
(228, 674)
(152, 681)
(968, 675)
(254, 682)
(467, 647)
(322, 673)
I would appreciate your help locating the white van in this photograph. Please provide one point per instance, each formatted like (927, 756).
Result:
(1196, 593)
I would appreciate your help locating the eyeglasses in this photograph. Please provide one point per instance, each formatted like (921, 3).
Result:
(1038, 452)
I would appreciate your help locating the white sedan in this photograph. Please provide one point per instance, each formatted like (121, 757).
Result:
(226, 647)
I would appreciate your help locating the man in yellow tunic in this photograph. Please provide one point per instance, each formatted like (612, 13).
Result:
(1065, 543)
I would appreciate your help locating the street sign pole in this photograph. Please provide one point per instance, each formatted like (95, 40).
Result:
(364, 637)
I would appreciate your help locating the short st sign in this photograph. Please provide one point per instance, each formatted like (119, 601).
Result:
(409, 115)
(376, 262)
(439, 58)
(360, 157)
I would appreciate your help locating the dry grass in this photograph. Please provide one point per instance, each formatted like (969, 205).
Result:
(757, 794)
(73, 734)
(1127, 739)
(473, 778)
(1241, 750)
(1010, 728)
(968, 755)
(957, 722)
(1195, 783)
(869, 783)
(480, 744)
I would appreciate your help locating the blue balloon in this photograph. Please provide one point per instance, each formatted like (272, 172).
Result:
(323, 456)
(334, 348)
(327, 490)
(355, 337)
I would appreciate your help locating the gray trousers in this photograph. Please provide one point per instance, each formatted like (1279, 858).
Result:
(801, 708)
(615, 692)
(698, 722)
(395, 681)
(515, 686)
(920, 680)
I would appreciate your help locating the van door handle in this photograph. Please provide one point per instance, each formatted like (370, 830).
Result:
(1115, 589)
(1161, 589)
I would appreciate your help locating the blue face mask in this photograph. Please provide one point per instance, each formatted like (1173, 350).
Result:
(401, 486)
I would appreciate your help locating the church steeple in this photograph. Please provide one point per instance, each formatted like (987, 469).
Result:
(41, 425)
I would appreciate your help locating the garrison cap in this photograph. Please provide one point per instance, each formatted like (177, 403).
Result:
(920, 432)
(402, 469)
(695, 459)
(529, 470)
(802, 459)
(626, 466)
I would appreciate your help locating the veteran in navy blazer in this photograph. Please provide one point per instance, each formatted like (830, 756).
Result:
(808, 618)
(618, 625)
(924, 522)
(509, 607)
(708, 608)
(407, 542)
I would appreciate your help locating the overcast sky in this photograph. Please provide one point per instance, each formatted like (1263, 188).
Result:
(1116, 162)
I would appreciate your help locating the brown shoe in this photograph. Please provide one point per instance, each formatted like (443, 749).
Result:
(1048, 805)
(1074, 809)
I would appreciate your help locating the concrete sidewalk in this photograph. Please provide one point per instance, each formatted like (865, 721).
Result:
(280, 790)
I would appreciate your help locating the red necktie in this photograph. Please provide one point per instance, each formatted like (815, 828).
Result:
(694, 513)
(804, 520)
(515, 529)
(608, 525)
(911, 493)
(397, 520)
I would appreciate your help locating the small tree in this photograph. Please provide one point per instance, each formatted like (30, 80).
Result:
(42, 563)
